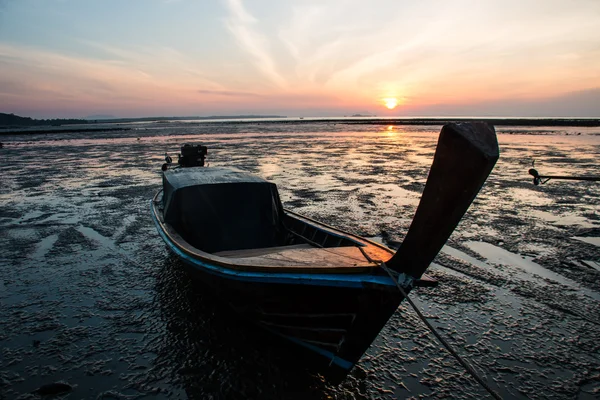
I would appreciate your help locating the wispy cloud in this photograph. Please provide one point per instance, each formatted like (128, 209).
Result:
(60, 75)
(243, 27)
(228, 93)
(163, 63)
(75, 82)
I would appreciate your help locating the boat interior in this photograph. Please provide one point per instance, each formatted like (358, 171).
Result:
(247, 232)
(296, 233)
(243, 215)
(240, 218)
(238, 229)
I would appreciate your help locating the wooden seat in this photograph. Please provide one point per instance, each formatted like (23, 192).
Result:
(260, 251)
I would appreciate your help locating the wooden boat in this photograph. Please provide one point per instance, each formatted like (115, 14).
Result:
(327, 290)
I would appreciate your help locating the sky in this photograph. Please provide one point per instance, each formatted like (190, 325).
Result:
(136, 58)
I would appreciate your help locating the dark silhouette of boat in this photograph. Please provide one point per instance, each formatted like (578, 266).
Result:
(320, 287)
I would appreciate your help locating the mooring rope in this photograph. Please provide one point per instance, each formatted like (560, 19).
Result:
(447, 345)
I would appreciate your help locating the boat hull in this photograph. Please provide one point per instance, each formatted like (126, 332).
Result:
(325, 289)
(335, 316)
(338, 323)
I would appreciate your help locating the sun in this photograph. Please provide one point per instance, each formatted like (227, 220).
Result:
(390, 103)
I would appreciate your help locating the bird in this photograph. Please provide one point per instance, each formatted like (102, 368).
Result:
(168, 159)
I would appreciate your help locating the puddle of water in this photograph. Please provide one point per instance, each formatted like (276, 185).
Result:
(324, 182)
(121, 229)
(22, 233)
(591, 240)
(94, 235)
(270, 169)
(29, 216)
(62, 219)
(377, 239)
(44, 246)
(538, 249)
(476, 230)
(500, 256)
(592, 264)
(530, 197)
(400, 195)
(564, 220)
(465, 257)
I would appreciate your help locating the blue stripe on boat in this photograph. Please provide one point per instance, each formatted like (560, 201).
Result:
(338, 280)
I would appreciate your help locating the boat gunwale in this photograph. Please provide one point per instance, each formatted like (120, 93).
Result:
(358, 238)
(346, 277)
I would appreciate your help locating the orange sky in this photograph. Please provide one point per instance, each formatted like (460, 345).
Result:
(313, 58)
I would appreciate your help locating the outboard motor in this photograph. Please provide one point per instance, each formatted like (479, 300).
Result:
(192, 155)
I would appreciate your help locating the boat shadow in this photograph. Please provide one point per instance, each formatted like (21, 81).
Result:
(209, 351)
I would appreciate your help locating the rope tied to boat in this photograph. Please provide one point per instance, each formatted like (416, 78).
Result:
(443, 341)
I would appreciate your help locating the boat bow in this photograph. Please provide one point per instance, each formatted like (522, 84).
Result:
(465, 156)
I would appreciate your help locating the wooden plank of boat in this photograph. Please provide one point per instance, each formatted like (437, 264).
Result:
(246, 253)
(305, 253)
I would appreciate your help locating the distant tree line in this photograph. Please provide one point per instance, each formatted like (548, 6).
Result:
(15, 120)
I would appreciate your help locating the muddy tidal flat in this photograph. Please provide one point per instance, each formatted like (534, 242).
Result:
(91, 298)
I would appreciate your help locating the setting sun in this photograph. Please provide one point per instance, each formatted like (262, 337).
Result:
(390, 103)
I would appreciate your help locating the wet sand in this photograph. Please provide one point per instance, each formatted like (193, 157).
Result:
(90, 296)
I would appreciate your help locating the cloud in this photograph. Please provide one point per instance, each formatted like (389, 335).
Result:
(228, 93)
(163, 63)
(242, 25)
(46, 75)
(577, 104)
(582, 103)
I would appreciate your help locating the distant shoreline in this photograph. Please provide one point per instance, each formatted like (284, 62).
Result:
(167, 119)
(12, 121)
(94, 127)
(25, 131)
(354, 119)
(540, 122)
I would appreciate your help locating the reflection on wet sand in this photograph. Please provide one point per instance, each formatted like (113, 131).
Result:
(90, 296)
